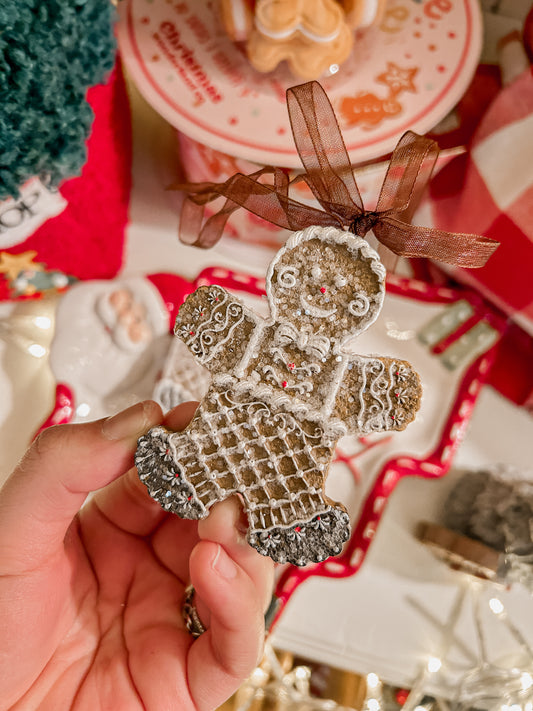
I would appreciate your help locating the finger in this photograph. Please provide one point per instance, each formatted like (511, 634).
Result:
(126, 502)
(227, 524)
(225, 655)
(179, 417)
(64, 464)
(172, 543)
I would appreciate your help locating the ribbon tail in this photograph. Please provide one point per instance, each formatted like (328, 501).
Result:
(194, 231)
(271, 203)
(459, 249)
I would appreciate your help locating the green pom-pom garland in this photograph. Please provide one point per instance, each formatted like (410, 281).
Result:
(50, 53)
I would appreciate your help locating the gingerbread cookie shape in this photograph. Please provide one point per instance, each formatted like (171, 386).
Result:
(310, 34)
(283, 391)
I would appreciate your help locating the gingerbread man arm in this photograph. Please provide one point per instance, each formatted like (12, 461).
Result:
(216, 327)
(378, 394)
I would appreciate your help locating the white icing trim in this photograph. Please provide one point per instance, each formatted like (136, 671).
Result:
(336, 380)
(279, 400)
(290, 31)
(240, 16)
(370, 12)
(315, 311)
(251, 346)
(359, 306)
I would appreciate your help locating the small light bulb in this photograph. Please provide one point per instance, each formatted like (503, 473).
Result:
(372, 680)
(333, 68)
(36, 350)
(496, 606)
(434, 664)
(83, 409)
(373, 705)
(526, 680)
(42, 322)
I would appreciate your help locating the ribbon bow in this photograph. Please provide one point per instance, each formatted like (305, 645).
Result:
(305, 341)
(329, 175)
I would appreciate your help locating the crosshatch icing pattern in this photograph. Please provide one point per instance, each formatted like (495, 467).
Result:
(283, 391)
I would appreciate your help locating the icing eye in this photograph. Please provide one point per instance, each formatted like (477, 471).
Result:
(287, 277)
(316, 272)
(359, 306)
(340, 281)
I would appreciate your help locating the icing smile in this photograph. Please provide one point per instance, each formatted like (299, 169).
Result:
(315, 311)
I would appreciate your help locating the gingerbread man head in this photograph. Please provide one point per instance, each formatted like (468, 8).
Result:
(332, 285)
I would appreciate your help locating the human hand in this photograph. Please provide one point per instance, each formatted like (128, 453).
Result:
(91, 596)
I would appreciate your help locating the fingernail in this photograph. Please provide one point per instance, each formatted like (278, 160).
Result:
(127, 423)
(240, 520)
(223, 564)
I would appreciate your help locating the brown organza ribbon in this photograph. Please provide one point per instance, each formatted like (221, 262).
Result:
(329, 175)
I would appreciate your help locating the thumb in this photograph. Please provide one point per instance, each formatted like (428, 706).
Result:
(51, 483)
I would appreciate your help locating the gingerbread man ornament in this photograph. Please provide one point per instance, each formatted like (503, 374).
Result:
(283, 391)
(311, 35)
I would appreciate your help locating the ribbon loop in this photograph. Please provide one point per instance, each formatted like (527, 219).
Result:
(329, 175)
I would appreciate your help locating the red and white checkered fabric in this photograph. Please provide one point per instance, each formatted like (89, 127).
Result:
(489, 191)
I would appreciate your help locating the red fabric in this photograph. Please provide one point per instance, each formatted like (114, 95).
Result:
(469, 111)
(511, 374)
(464, 197)
(173, 289)
(87, 239)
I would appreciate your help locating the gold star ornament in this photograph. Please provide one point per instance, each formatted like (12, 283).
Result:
(13, 264)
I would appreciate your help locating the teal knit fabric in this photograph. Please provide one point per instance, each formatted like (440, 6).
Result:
(51, 51)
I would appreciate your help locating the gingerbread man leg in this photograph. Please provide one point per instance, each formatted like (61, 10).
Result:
(161, 462)
(291, 520)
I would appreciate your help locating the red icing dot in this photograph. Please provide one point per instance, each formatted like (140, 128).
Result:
(396, 394)
(392, 417)
(284, 384)
(291, 366)
(319, 518)
(297, 529)
(167, 452)
(401, 696)
(323, 289)
(191, 333)
(189, 498)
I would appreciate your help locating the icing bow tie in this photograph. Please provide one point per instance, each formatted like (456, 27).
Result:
(329, 175)
(287, 334)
